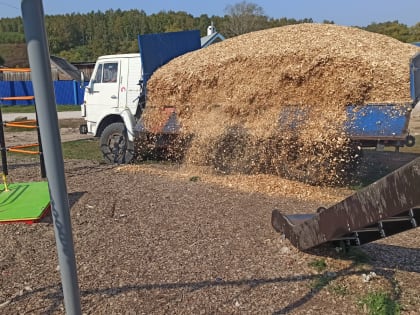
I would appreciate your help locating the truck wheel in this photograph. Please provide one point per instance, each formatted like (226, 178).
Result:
(114, 144)
(410, 141)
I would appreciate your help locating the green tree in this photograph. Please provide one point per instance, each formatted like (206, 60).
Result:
(244, 17)
(393, 29)
(11, 38)
(285, 21)
(83, 37)
(415, 33)
(202, 23)
(1, 61)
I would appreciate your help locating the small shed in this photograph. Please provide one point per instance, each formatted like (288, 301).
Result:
(86, 68)
(63, 70)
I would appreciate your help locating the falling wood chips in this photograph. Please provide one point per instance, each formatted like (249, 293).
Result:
(229, 97)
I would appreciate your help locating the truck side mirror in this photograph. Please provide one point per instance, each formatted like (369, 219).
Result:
(89, 86)
(82, 79)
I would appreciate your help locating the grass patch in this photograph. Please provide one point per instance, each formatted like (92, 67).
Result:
(356, 255)
(31, 108)
(318, 264)
(63, 123)
(87, 149)
(339, 289)
(380, 303)
(322, 281)
(71, 123)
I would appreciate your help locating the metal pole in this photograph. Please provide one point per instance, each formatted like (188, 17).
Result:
(41, 152)
(39, 60)
(3, 148)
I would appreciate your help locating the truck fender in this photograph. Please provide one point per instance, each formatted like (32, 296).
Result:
(129, 123)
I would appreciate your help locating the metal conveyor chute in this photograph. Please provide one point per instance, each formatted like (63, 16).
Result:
(388, 206)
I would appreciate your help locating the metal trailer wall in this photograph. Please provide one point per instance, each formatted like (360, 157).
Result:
(158, 49)
(66, 92)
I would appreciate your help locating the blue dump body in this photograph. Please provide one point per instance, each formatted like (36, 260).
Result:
(384, 123)
(371, 121)
(369, 124)
(158, 49)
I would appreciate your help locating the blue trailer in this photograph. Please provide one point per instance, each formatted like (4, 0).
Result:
(374, 125)
(370, 125)
(378, 125)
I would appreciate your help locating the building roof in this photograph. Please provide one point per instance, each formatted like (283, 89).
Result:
(66, 67)
(210, 39)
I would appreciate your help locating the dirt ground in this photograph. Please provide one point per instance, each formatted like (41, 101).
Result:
(163, 239)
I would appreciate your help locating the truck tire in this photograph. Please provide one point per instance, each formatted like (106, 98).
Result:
(115, 146)
(410, 141)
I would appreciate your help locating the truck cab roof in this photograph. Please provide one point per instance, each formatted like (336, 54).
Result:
(132, 55)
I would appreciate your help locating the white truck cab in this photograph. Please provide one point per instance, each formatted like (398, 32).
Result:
(110, 105)
(115, 96)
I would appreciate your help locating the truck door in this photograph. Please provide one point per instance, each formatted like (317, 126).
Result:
(103, 90)
(133, 77)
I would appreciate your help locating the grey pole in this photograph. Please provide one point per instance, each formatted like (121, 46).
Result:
(39, 60)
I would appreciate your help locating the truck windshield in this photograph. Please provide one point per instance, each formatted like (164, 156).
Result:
(98, 74)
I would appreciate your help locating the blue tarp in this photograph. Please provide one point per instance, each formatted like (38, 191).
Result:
(158, 49)
(66, 92)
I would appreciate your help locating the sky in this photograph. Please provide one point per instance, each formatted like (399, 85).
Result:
(344, 12)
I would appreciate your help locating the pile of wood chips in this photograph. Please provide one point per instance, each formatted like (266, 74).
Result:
(229, 96)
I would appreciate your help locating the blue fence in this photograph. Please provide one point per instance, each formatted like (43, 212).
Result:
(66, 92)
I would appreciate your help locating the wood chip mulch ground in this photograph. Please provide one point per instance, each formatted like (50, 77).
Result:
(166, 239)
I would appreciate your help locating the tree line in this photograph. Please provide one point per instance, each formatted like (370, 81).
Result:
(83, 37)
